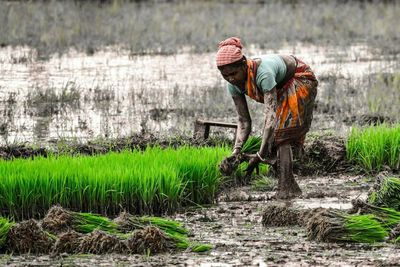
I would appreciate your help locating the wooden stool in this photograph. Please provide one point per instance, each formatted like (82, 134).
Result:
(202, 127)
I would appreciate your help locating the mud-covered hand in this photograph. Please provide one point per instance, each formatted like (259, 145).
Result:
(254, 161)
(229, 164)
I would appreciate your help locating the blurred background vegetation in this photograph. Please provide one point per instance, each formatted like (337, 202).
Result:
(198, 26)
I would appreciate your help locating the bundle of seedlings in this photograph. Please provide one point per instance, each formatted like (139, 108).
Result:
(29, 237)
(334, 226)
(100, 242)
(279, 215)
(5, 226)
(150, 240)
(386, 193)
(232, 163)
(58, 220)
(387, 216)
(126, 223)
(68, 242)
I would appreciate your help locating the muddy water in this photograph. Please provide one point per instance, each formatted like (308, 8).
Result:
(234, 228)
(112, 93)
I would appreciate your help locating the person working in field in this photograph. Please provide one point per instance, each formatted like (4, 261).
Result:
(287, 88)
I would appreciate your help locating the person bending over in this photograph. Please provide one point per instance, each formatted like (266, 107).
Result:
(287, 87)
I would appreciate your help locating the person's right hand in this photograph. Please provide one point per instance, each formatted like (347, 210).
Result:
(225, 166)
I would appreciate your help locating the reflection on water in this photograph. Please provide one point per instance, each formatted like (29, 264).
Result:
(113, 93)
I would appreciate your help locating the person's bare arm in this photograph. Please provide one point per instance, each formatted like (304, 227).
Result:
(244, 122)
(270, 103)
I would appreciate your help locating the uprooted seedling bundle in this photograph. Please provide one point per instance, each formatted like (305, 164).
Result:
(64, 231)
(386, 193)
(334, 226)
(251, 146)
(375, 220)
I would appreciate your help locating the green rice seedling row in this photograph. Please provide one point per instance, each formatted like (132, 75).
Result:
(375, 146)
(153, 181)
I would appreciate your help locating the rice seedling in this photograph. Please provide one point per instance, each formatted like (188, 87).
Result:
(153, 181)
(5, 226)
(263, 183)
(330, 226)
(375, 147)
(386, 193)
(252, 145)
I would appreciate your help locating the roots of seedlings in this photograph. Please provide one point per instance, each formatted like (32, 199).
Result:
(57, 220)
(276, 215)
(323, 227)
(306, 215)
(68, 242)
(395, 233)
(150, 239)
(123, 222)
(99, 242)
(28, 236)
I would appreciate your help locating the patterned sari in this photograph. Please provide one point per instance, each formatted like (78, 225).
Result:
(295, 105)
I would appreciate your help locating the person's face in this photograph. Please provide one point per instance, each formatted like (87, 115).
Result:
(235, 75)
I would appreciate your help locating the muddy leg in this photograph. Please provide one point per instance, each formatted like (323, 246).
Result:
(287, 186)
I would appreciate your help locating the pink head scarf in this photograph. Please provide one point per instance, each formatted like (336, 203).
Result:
(230, 51)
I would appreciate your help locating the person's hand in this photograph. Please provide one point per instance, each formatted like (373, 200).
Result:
(254, 161)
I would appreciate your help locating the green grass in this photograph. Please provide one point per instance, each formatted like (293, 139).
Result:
(153, 181)
(375, 147)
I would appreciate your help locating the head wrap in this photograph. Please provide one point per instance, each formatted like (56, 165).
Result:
(230, 51)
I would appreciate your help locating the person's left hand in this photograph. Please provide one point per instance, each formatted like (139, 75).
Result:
(254, 161)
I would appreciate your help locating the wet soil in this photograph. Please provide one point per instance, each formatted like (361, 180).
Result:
(234, 227)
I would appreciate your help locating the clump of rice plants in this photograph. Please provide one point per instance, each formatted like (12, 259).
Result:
(330, 226)
(151, 181)
(386, 193)
(375, 147)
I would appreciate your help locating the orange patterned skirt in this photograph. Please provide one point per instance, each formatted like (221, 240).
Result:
(294, 112)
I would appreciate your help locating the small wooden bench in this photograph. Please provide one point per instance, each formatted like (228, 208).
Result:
(202, 127)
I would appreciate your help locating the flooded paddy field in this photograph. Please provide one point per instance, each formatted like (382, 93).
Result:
(114, 94)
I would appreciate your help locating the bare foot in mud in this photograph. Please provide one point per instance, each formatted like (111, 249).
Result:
(289, 192)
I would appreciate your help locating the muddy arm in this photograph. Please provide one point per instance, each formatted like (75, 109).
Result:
(270, 100)
(244, 121)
